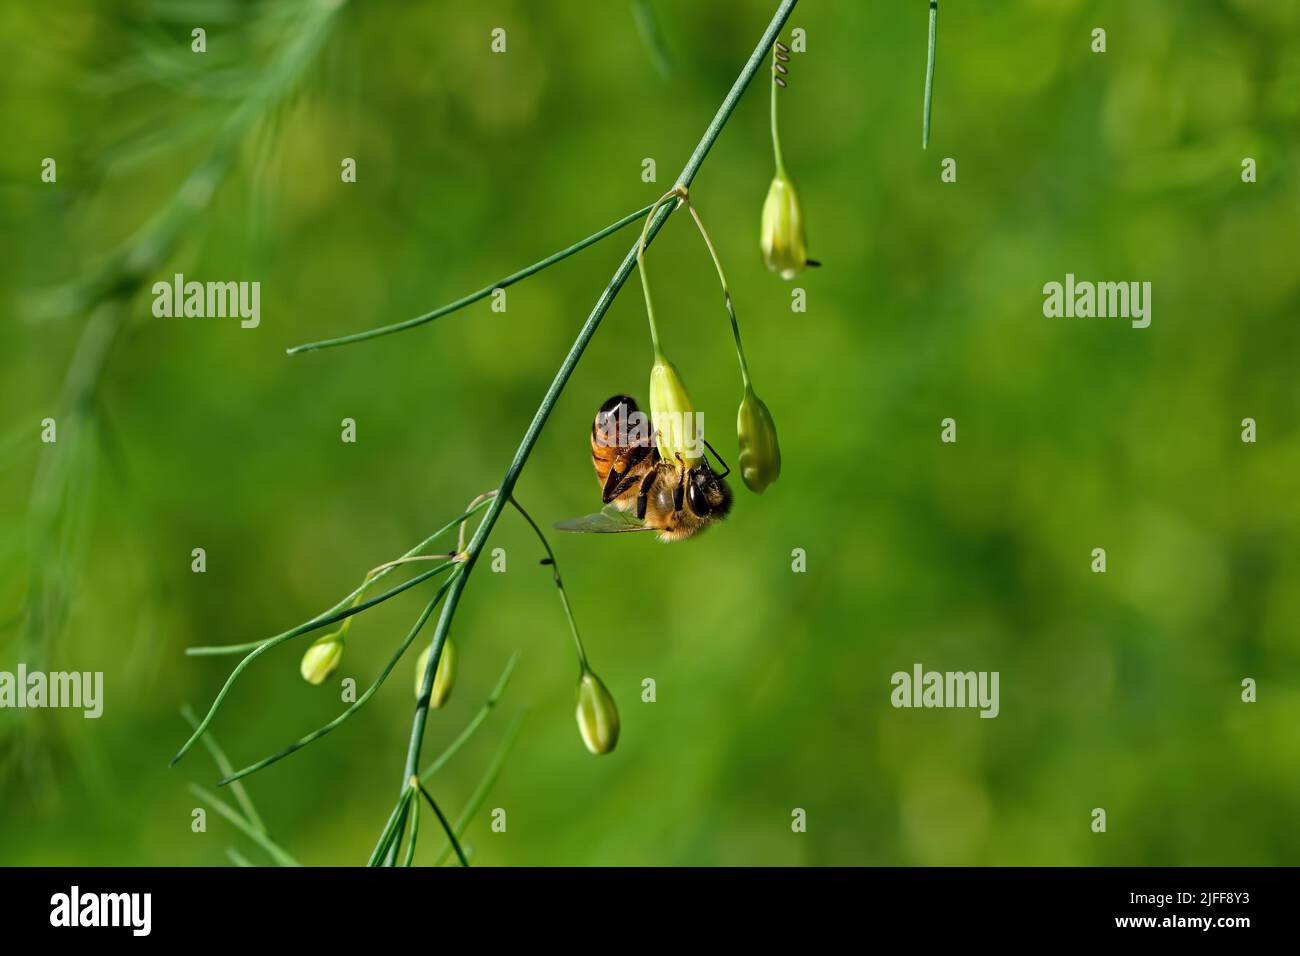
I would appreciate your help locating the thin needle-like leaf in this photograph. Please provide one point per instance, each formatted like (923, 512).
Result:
(473, 297)
(415, 836)
(224, 765)
(559, 583)
(360, 702)
(319, 621)
(250, 831)
(485, 785)
(325, 620)
(396, 818)
(441, 760)
(455, 844)
(343, 608)
(929, 75)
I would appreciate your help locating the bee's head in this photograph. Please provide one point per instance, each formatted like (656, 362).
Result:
(707, 494)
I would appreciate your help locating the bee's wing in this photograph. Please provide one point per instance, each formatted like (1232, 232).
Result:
(606, 521)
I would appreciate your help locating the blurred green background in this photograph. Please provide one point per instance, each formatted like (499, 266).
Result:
(1119, 691)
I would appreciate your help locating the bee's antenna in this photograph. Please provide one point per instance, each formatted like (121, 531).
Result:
(726, 469)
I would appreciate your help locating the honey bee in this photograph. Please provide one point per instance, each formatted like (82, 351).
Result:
(642, 490)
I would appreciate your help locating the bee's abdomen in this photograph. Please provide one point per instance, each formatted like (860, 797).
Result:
(612, 424)
(609, 432)
(621, 448)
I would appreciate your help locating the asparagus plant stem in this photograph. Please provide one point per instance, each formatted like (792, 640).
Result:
(603, 302)
(451, 834)
(355, 706)
(415, 836)
(473, 297)
(726, 294)
(226, 767)
(473, 725)
(324, 620)
(473, 505)
(253, 833)
(475, 802)
(390, 828)
(929, 75)
(776, 135)
(640, 264)
(338, 611)
(559, 583)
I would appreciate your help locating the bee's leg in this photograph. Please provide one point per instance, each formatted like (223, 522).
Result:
(611, 482)
(679, 493)
(643, 494)
(623, 486)
(620, 478)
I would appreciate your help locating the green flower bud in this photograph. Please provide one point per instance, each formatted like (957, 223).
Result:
(760, 455)
(785, 250)
(322, 658)
(443, 678)
(672, 415)
(597, 715)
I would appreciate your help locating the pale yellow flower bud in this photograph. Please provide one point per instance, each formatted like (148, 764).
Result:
(785, 250)
(597, 715)
(443, 679)
(322, 658)
(760, 455)
(673, 415)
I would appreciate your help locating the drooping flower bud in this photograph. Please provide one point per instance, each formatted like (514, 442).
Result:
(785, 250)
(673, 415)
(443, 679)
(760, 455)
(597, 715)
(322, 658)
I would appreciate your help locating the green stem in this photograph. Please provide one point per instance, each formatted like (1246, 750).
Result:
(373, 574)
(640, 264)
(485, 785)
(473, 297)
(250, 831)
(360, 702)
(395, 819)
(929, 75)
(320, 621)
(473, 725)
(226, 767)
(460, 533)
(451, 834)
(603, 303)
(559, 583)
(726, 295)
(324, 620)
(776, 135)
(415, 836)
